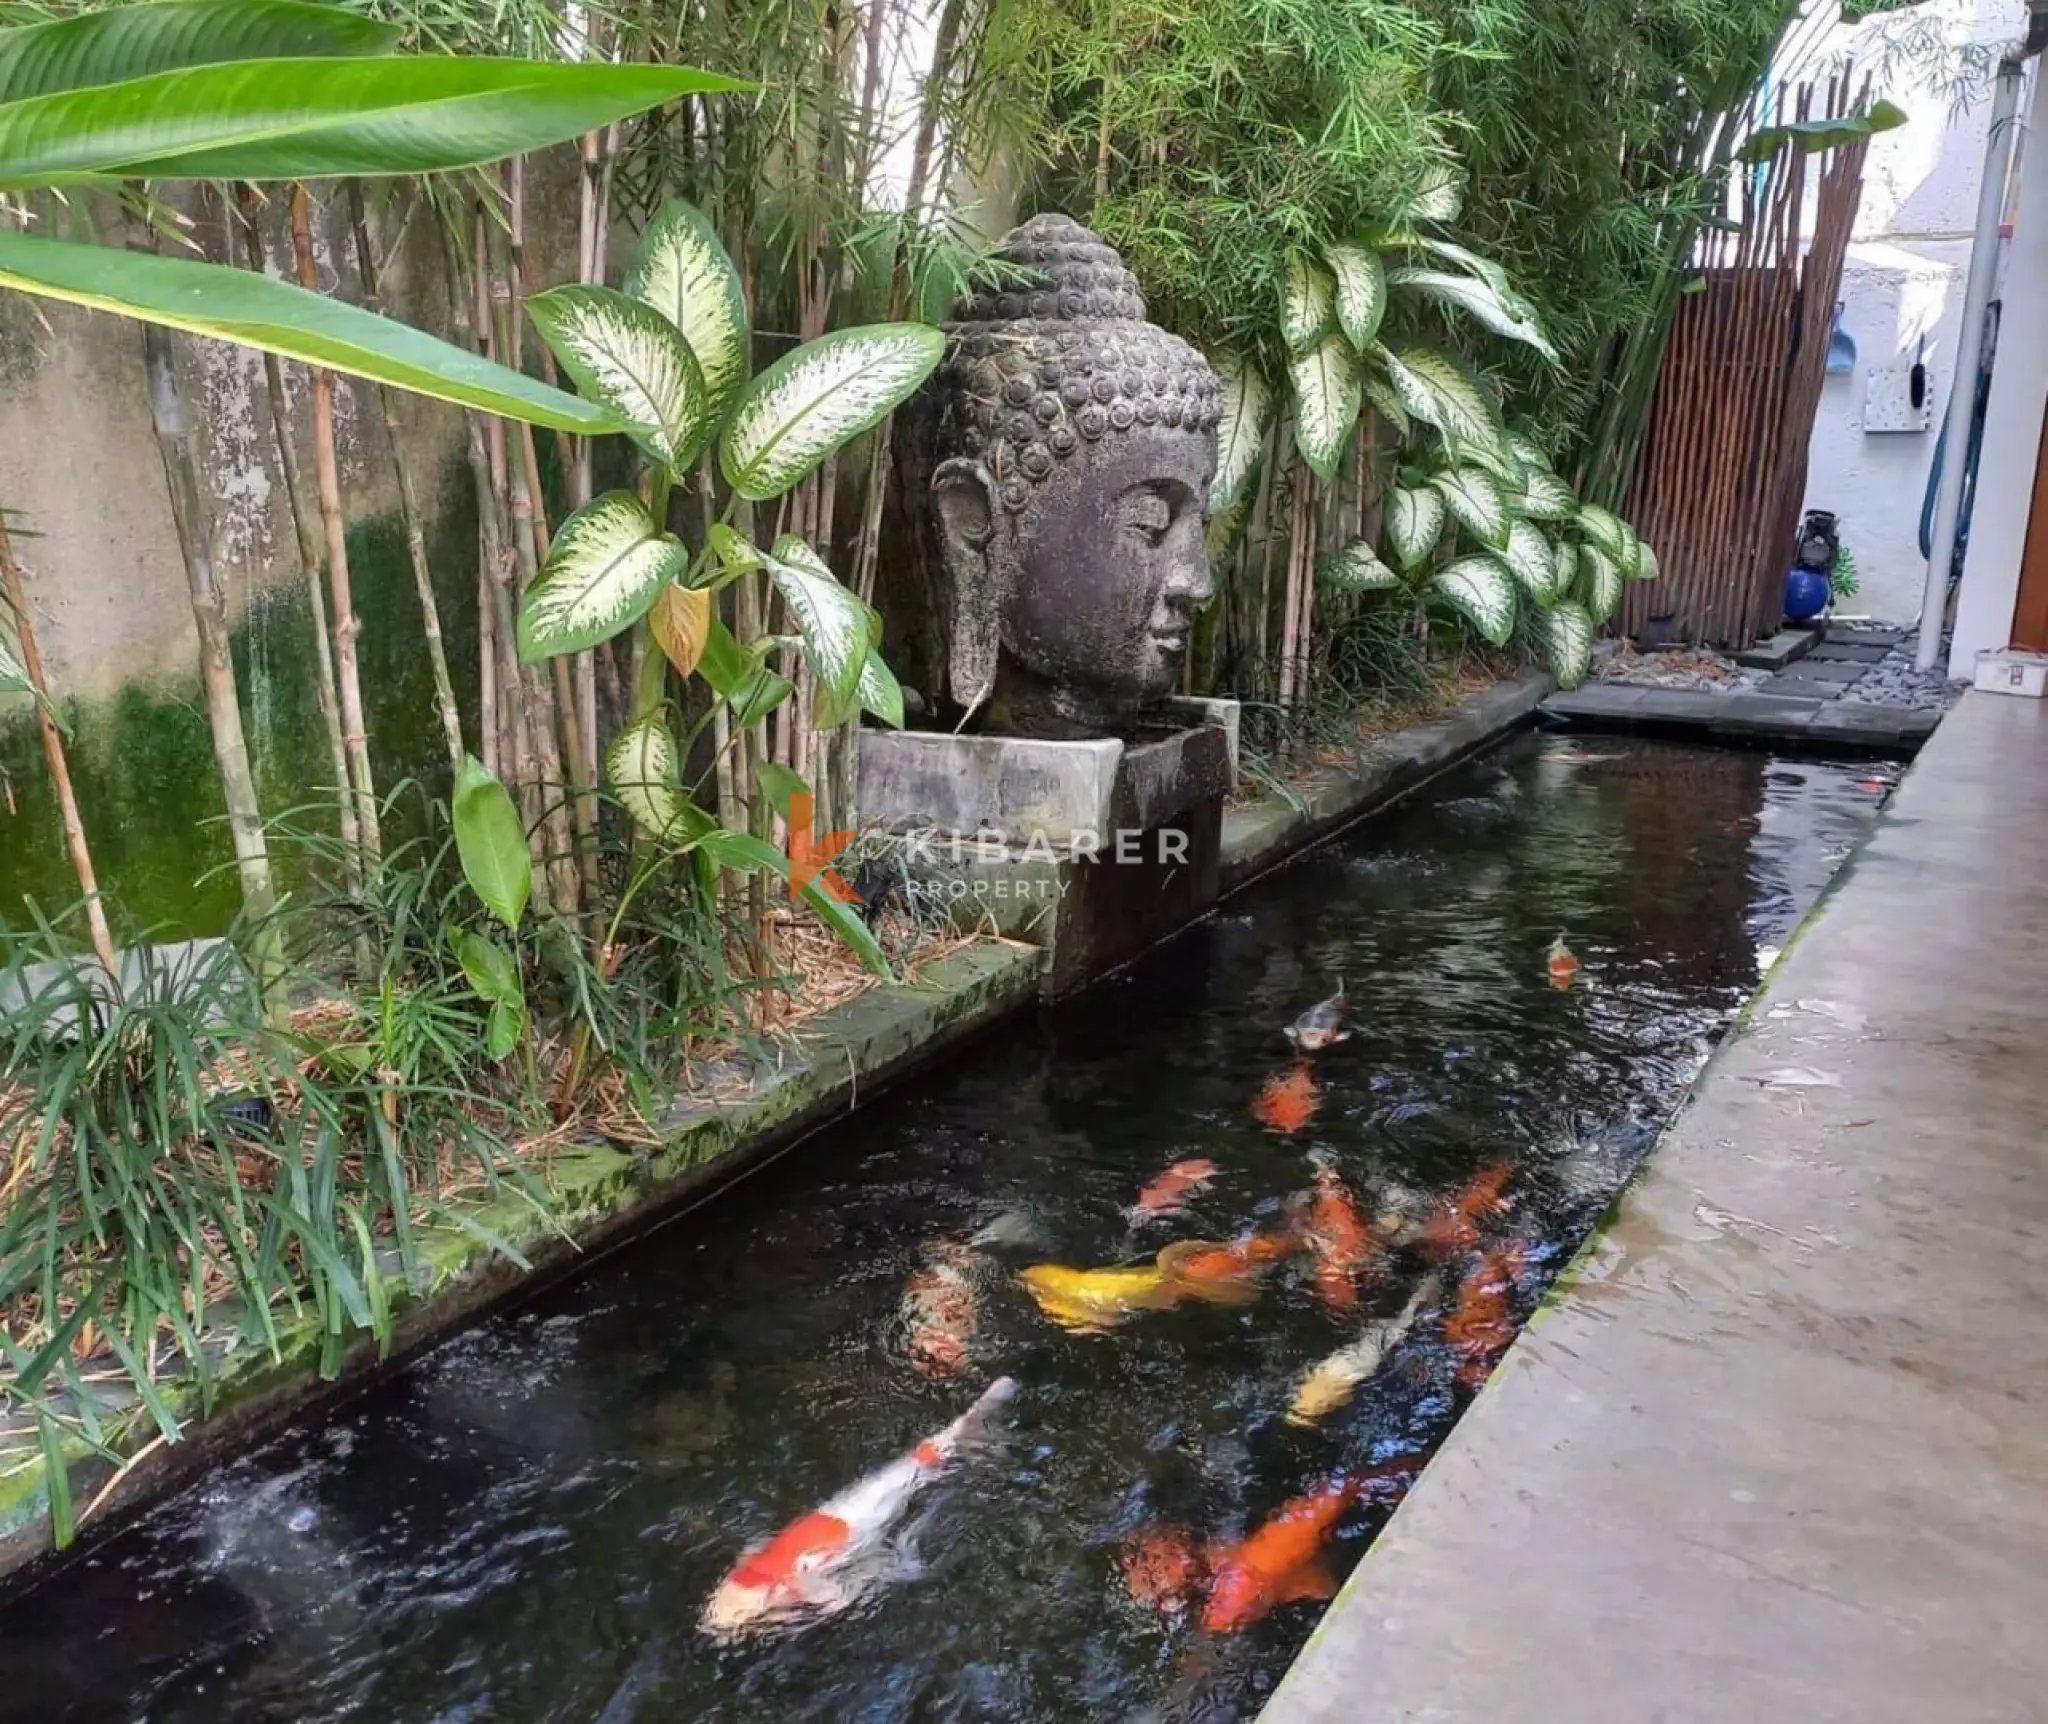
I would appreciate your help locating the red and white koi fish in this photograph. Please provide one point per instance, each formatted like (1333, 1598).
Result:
(840, 1551)
(1483, 1326)
(1168, 1194)
(1563, 966)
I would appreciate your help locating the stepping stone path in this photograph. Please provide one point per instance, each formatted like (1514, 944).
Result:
(1853, 687)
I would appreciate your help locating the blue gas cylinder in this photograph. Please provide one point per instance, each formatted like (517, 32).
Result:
(1806, 594)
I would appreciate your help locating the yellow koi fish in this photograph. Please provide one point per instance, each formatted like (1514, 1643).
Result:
(1091, 1300)
(1331, 1384)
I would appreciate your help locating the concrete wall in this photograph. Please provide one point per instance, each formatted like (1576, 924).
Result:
(78, 462)
(1902, 292)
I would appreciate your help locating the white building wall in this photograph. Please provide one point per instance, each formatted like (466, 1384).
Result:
(2012, 421)
(1902, 293)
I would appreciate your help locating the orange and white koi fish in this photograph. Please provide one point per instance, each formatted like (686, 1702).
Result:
(1563, 966)
(1482, 1326)
(840, 1551)
(1342, 1243)
(1455, 1227)
(1169, 1193)
(1331, 1383)
(1226, 1273)
(1289, 1102)
(1322, 1025)
(938, 1313)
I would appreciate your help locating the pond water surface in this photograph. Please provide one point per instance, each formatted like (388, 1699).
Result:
(525, 1524)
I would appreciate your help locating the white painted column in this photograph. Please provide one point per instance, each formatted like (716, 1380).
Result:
(2012, 424)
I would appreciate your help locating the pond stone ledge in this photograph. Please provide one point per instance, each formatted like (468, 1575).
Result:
(600, 1196)
(597, 1197)
(1258, 836)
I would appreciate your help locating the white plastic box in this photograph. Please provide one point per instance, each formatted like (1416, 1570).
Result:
(2010, 671)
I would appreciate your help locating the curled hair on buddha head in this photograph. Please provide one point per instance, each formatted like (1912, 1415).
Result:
(1057, 356)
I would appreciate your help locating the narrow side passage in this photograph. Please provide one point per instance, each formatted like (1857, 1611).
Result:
(1781, 1452)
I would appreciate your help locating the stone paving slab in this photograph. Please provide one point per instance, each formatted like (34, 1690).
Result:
(1780, 650)
(1777, 1447)
(1818, 669)
(1795, 719)
(1849, 652)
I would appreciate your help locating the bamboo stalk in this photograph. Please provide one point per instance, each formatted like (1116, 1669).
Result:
(308, 536)
(408, 498)
(327, 469)
(60, 766)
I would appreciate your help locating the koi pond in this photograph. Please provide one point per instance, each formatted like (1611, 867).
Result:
(567, 1513)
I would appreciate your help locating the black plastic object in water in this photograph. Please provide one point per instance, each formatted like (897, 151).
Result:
(526, 1523)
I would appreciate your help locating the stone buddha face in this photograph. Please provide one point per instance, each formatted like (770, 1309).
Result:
(1079, 443)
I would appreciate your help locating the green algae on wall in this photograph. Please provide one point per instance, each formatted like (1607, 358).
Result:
(142, 762)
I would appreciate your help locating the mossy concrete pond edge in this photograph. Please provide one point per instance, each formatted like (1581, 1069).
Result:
(600, 1196)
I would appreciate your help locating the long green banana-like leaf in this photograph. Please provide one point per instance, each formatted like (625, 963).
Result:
(255, 311)
(318, 119)
(99, 48)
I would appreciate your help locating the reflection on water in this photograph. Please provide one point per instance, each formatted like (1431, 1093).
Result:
(526, 1524)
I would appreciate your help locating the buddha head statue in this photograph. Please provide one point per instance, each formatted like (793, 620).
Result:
(1075, 442)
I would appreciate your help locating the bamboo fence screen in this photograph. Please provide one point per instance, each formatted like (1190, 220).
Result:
(1722, 473)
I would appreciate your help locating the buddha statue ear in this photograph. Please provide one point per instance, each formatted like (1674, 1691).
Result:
(964, 502)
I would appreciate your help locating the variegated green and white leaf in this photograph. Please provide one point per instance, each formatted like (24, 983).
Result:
(1598, 572)
(1307, 303)
(1415, 522)
(1247, 409)
(681, 270)
(1361, 293)
(1631, 558)
(1475, 499)
(1546, 497)
(1438, 197)
(880, 693)
(13, 677)
(1566, 632)
(837, 629)
(1474, 263)
(606, 566)
(1380, 393)
(1602, 528)
(644, 772)
(1483, 592)
(1530, 560)
(1646, 569)
(1437, 389)
(1528, 455)
(1356, 569)
(1599, 585)
(1479, 301)
(1566, 556)
(630, 358)
(811, 402)
(1499, 460)
(1327, 396)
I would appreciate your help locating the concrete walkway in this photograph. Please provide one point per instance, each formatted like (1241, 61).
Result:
(1780, 1453)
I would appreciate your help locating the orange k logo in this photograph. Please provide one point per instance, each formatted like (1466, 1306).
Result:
(808, 857)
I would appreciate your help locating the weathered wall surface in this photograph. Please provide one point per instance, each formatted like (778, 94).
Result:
(79, 465)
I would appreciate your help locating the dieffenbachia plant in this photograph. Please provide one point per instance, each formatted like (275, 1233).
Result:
(1530, 545)
(1497, 546)
(668, 355)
